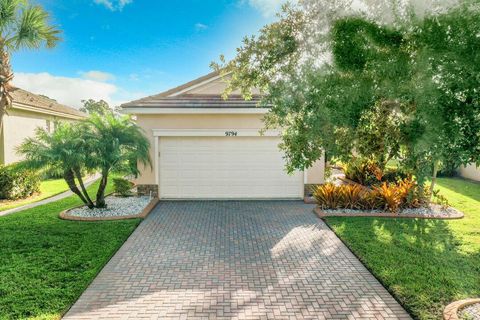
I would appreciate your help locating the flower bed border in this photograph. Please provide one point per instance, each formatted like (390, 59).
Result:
(322, 214)
(451, 311)
(142, 215)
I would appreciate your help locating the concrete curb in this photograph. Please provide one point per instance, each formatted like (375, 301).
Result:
(451, 311)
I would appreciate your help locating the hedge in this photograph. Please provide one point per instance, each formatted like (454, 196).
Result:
(17, 183)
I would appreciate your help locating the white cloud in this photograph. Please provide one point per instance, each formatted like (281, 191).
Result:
(69, 91)
(200, 26)
(268, 7)
(113, 5)
(96, 75)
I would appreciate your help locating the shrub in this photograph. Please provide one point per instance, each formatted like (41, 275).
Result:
(17, 183)
(387, 196)
(351, 195)
(368, 173)
(391, 196)
(328, 197)
(122, 187)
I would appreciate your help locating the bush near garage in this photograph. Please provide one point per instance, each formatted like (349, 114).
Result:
(369, 173)
(18, 183)
(122, 187)
(393, 197)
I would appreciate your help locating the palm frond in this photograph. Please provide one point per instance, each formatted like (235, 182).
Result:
(34, 30)
(8, 14)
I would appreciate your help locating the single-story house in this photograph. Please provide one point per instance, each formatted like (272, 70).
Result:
(206, 147)
(28, 112)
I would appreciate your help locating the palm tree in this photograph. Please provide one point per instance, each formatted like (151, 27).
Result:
(63, 149)
(21, 26)
(114, 144)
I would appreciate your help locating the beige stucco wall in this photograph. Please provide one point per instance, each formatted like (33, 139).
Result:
(315, 174)
(470, 172)
(17, 126)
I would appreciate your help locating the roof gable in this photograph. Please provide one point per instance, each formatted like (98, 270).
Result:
(203, 92)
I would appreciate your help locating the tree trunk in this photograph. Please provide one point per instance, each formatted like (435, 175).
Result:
(434, 177)
(78, 174)
(6, 76)
(100, 202)
(70, 180)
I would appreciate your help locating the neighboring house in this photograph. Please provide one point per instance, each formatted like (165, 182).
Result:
(205, 147)
(28, 112)
(470, 172)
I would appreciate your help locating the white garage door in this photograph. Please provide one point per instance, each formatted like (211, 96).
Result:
(225, 167)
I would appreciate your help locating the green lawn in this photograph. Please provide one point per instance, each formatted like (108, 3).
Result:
(46, 263)
(48, 188)
(426, 264)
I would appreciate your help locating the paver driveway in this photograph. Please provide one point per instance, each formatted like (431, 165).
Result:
(235, 260)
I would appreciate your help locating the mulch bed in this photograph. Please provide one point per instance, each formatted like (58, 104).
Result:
(434, 212)
(66, 215)
(463, 309)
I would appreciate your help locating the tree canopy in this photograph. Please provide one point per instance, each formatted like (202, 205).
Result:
(402, 85)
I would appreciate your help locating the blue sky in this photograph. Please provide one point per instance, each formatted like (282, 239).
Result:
(121, 50)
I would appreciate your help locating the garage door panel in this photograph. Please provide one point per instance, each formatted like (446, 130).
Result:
(225, 167)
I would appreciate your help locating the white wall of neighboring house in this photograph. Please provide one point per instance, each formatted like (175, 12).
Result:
(17, 126)
(470, 172)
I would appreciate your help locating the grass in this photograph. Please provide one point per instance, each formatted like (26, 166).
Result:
(48, 188)
(46, 262)
(425, 264)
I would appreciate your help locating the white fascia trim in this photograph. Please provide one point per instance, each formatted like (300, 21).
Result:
(233, 133)
(195, 110)
(26, 107)
(196, 85)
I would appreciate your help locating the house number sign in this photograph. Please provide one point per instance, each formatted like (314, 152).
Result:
(231, 133)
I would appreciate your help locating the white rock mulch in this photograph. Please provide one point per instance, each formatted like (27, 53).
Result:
(434, 210)
(116, 207)
(471, 312)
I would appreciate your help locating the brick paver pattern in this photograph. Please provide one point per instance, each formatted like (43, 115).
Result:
(235, 260)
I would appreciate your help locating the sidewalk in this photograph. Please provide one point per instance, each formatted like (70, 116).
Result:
(48, 200)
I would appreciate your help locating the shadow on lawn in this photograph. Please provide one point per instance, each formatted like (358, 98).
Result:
(420, 261)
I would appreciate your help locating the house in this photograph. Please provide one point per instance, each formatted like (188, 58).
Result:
(206, 147)
(28, 112)
(471, 172)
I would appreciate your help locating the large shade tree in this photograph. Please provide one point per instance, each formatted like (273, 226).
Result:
(326, 88)
(22, 26)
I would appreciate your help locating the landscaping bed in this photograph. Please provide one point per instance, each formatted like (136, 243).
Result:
(425, 263)
(471, 312)
(433, 211)
(117, 208)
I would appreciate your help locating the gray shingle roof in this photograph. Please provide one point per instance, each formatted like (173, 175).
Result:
(42, 103)
(186, 100)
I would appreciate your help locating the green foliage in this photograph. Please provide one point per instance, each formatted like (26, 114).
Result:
(23, 25)
(369, 173)
(406, 90)
(17, 183)
(102, 143)
(100, 107)
(122, 187)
